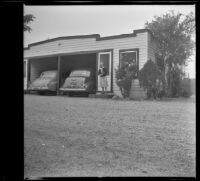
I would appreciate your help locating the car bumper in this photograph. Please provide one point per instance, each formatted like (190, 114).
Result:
(40, 89)
(73, 89)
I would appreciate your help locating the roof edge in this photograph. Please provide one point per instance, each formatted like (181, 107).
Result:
(96, 36)
(63, 38)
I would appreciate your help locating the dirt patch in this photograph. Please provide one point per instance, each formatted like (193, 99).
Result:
(97, 137)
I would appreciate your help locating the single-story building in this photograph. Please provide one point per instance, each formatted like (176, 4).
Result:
(65, 53)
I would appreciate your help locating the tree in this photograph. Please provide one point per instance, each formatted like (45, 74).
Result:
(175, 79)
(27, 19)
(125, 73)
(172, 34)
(149, 77)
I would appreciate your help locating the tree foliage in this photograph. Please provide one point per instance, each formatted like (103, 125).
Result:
(125, 73)
(172, 34)
(27, 20)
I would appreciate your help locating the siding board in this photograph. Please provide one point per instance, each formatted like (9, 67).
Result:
(151, 48)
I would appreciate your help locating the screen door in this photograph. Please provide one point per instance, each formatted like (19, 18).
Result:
(105, 57)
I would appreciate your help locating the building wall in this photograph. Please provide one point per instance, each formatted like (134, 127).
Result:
(151, 48)
(90, 44)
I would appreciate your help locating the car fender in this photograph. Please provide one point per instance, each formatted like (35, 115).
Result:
(89, 85)
(52, 85)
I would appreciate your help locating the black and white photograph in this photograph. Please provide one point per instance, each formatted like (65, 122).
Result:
(109, 90)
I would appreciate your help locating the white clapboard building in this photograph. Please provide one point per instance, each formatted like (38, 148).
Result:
(65, 53)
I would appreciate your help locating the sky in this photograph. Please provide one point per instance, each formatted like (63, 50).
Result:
(106, 20)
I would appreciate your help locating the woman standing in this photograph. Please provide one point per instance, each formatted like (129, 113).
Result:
(103, 79)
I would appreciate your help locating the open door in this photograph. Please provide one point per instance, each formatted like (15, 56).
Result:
(106, 58)
(25, 74)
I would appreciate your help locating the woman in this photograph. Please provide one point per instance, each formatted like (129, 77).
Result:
(103, 79)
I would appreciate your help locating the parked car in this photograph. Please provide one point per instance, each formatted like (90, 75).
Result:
(47, 82)
(79, 81)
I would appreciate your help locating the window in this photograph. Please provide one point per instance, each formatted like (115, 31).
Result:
(84, 73)
(49, 74)
(129, 57)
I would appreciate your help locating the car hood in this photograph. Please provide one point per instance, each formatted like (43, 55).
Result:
(41, 82)
(74, 81)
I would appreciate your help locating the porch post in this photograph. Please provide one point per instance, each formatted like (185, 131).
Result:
(58, 85)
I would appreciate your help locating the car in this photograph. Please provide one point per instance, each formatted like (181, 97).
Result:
(79, 81)
(47, 82)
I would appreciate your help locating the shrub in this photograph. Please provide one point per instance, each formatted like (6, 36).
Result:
(149, 78)
(185, 88)
(174, 81)
(125, 73)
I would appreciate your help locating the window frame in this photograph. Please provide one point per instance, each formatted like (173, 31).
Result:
(121, 51)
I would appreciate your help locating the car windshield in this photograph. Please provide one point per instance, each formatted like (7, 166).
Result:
(48, 74)
(85, 73)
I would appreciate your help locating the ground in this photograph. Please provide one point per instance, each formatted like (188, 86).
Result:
(76, 136)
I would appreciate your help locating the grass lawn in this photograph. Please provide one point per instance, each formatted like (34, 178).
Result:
(77, 136)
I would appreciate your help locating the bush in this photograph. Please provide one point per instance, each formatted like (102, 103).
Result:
(149, 78)
(174, 81)
(124, 75)
(186, 88)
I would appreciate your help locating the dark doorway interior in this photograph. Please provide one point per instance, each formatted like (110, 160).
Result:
(39, 65)
(72, 62)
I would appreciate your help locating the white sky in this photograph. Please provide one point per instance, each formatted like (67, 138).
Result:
(55, 21)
